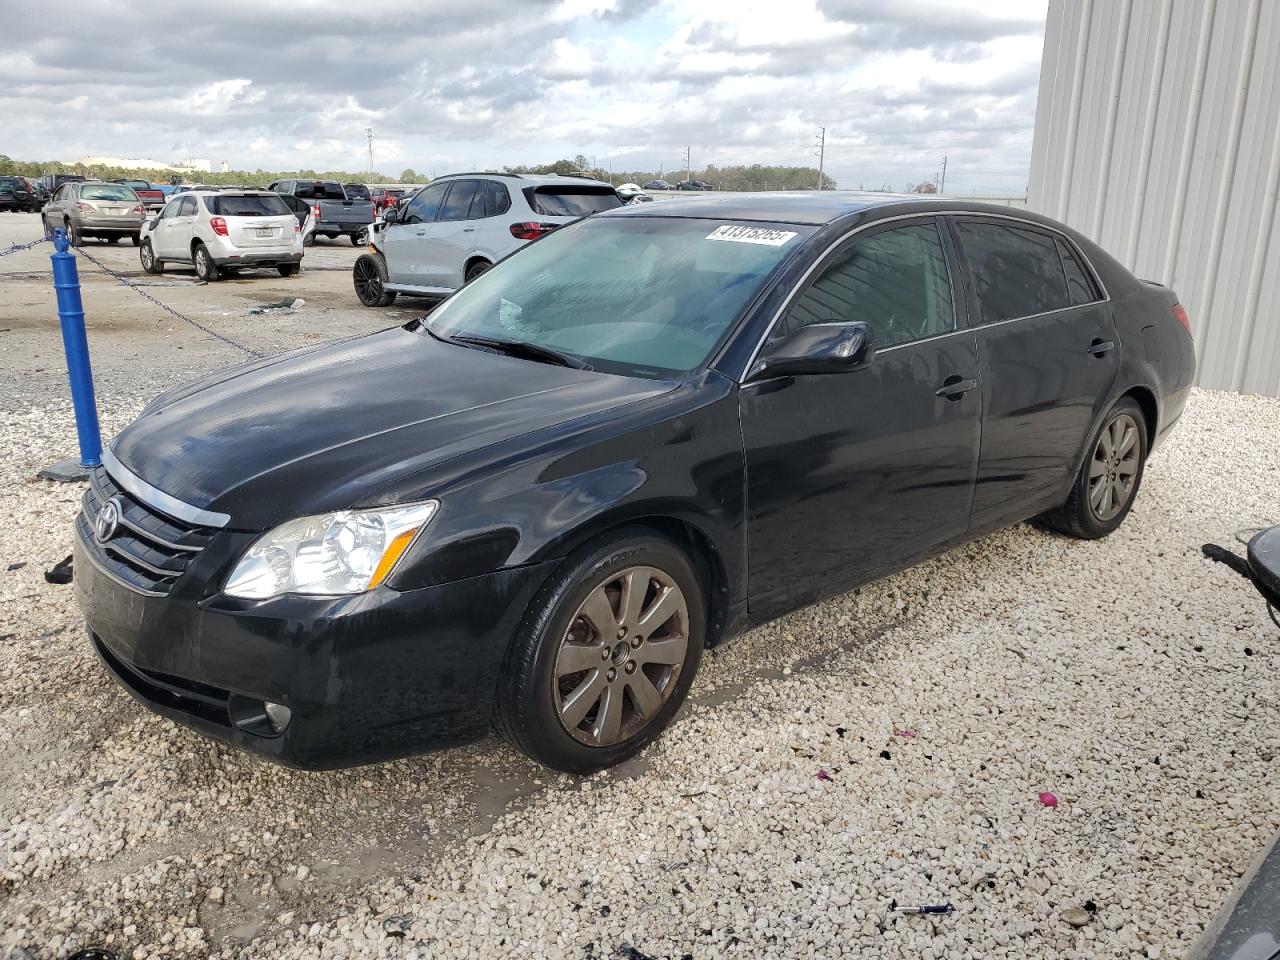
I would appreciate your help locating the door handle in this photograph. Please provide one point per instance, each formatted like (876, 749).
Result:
(955, 387)
(1100, 347)
(422, 233)
(468, 229)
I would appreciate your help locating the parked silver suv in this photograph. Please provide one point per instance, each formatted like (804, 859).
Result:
(223, 230)
(452, 231)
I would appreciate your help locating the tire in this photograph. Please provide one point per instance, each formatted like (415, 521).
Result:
(368, 275)
(287, 269)
(73, 235)
(564, 717)
(309, 240)
(148, 259)
(206, 269)
(48, 230)
(137, 240)
(1100, 498)
(356, 240)
(477, 269)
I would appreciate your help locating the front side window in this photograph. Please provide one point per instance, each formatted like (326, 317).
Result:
(1016, 272)
(640, 296)
(457, 205)
(424, 207)
(895, 281)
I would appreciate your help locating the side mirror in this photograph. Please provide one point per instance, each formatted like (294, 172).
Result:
(390, 215)
(153, 223)
(818, 348)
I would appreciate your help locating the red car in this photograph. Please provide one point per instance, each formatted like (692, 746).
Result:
(385, 198)
(151, 197)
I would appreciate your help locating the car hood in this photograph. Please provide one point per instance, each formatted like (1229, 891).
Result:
(325, 429)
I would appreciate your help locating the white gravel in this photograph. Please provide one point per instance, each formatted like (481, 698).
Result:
(1130, 677)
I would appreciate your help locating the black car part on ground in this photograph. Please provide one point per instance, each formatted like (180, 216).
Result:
(1260, 565)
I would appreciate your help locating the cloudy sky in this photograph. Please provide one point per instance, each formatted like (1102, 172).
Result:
(449, 84)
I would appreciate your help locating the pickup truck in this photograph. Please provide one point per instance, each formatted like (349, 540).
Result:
(152, 198)
(334, 213)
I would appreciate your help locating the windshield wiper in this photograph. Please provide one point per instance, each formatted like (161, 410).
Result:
(519, 348)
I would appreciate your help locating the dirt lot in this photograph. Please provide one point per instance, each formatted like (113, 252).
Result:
(1129, 677)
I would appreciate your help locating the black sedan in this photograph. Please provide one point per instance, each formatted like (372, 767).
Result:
(630, 440)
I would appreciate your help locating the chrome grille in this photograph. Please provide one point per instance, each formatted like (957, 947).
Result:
(149, 549)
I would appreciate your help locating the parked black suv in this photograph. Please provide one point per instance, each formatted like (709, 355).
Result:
(16, 195)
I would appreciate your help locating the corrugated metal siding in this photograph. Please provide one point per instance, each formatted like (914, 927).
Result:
(1158, 134)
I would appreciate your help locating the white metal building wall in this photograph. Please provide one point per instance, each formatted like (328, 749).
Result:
(1158, 135)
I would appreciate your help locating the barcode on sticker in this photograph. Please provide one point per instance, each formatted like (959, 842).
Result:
(770, 238)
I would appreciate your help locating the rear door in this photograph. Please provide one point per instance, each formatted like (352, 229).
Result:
(450, 241)
(1047, 347)
(404, 242)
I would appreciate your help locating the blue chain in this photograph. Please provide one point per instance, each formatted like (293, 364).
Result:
(23, 246)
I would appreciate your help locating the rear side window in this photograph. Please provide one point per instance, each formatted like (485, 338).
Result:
(491, 198)
(424, 207)
(242, 205)
(895, 281)
(1079, 286)
(1016, 272)
(357, 191)
(571, 201)
(457, 205)
(187, 207)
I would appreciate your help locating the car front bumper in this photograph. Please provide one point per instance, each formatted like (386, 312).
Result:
(369, 677)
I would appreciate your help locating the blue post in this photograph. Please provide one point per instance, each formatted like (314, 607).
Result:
(66, 282)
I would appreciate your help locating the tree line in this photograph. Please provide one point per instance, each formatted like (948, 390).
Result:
(741, 177)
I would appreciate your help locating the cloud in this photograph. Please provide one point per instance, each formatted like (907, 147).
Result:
(486, 82)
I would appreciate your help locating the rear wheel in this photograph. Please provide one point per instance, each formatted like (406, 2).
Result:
(1104, 490)
(137, 240)
(287, 269)
(73, 234)
(477, 269)
(148, 258)
(605, 655)
(206, 269)
(369, 276)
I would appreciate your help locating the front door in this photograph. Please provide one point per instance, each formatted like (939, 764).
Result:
(851, 475)
(453, 236)
(404, 242)
(1047, 347)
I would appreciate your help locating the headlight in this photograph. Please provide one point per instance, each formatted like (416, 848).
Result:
(350, 551)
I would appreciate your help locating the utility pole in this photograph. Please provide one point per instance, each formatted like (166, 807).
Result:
(821, 144)
(368, 133)
(942, 183)
(688, 164)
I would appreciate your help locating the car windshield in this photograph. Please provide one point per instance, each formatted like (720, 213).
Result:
(246, 205)
(642, 296)
(107, 191)
(357, 191)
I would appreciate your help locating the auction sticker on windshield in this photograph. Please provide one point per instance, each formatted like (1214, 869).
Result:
(761, 235)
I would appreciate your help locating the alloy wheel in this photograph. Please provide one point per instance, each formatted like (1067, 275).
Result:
(621, 657)
(368, 281)
(1113, 470)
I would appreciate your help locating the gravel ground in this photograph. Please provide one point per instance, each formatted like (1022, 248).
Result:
(1129, 677)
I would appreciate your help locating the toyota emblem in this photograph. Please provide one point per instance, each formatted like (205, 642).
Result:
(104, 527)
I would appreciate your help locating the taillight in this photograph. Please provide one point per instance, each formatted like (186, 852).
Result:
(138, 209)
(531, 231)
(297, 227)
(219, 226)
(316, 211)
(1181, 316)
(84, 208)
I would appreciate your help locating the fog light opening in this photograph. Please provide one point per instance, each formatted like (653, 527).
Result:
(278, 715)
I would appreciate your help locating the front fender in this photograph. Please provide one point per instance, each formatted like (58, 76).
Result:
(677, 458)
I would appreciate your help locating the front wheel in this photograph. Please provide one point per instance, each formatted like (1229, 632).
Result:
(206, 269)
(1108, 481)
(369, 276)
(148, 258)
(606, 653)
(309, 240)
(287, 269)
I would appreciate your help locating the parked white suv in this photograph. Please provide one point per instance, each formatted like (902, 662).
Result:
(450, 232)
(221, 230)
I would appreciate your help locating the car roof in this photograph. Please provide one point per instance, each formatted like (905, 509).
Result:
(534, 179)
(810, 208)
